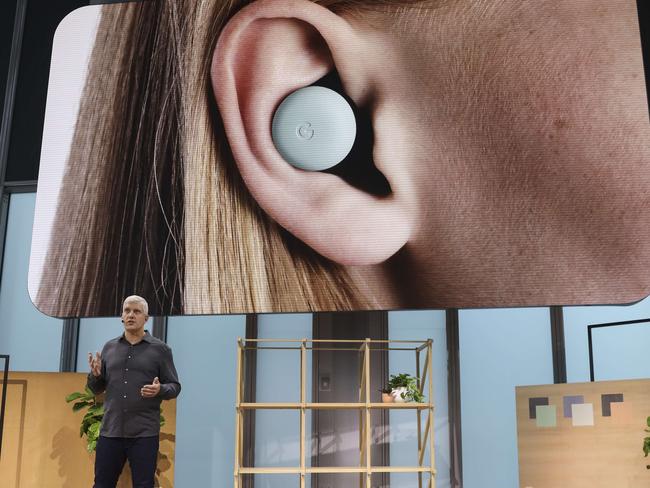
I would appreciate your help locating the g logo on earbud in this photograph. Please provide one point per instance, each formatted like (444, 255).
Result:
(303, 113)
(305, 131)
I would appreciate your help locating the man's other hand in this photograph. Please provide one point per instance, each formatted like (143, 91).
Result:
(150, 391)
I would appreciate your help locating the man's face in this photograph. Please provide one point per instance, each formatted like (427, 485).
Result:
(133, 317)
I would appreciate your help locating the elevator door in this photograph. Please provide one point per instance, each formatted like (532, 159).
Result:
(335, 433)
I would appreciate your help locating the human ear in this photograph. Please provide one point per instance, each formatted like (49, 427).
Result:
(266, 51)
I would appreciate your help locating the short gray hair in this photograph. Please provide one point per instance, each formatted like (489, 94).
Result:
(137, 299)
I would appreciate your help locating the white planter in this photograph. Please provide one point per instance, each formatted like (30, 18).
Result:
(397, 394)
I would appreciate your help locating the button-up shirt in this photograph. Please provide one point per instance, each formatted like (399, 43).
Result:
(125, 369)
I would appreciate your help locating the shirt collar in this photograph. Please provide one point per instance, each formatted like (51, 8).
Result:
(146, 338)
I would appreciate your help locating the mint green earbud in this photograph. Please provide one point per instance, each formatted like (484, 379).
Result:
(314, 128)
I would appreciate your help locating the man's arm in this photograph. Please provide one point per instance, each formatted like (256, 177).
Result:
(170, 387)
(97, 376)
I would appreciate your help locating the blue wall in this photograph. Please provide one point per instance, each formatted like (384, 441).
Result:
(94, 333)
(32, 339)
(277, 432)
(499, 349)
(205, 354)
(621, 352)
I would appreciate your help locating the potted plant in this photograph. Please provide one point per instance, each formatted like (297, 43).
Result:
(404, 388)
(646, 442)
(387, 395)
(92, 420)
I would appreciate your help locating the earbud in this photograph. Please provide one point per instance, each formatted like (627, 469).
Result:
(314, 128)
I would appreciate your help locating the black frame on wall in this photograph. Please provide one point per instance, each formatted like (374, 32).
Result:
(598, 326)
(3, 401)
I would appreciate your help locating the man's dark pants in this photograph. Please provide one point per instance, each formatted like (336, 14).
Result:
(112, 453)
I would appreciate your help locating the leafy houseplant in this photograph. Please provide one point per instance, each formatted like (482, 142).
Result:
(92, 420)
(646, 442)
(405, 387)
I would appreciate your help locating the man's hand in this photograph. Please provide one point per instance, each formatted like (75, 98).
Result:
(95, 364)
(150, 391)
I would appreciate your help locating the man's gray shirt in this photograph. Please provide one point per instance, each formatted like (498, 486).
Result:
(125, 369)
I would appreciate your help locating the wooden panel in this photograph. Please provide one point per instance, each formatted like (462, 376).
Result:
(41, 445)
(605, 455)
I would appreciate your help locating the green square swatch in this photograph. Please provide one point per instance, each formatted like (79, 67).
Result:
(546, 416)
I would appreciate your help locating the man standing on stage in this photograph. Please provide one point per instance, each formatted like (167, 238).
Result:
(137, 372)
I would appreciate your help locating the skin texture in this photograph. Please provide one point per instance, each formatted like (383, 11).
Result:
(514, 136)
(537, 182)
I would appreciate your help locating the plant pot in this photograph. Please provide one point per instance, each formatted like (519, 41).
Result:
(387, 398)
(397, 394)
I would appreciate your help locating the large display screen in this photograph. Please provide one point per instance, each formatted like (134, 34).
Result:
(501, 158)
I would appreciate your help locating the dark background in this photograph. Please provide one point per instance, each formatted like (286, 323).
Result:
(31, 42)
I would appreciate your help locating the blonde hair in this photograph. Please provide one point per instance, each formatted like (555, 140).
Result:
(159, 204)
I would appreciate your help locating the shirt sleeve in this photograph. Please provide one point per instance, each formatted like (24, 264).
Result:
(170, 387)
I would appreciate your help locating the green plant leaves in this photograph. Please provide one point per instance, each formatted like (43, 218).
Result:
(74, 396)
(646, 443)
(79, 405)
(404, 380)
(93, 430)
(398, 380)
(92, 445)
(88, 421)
(92, 419)
(96, 410)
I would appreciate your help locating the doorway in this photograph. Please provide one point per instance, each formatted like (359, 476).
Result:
(336, 379)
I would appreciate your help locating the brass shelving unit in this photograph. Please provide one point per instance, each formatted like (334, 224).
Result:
(365, 407)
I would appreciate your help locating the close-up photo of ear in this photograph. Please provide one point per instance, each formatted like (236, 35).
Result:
(297, 156)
